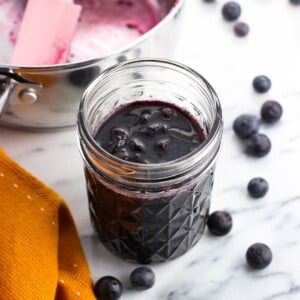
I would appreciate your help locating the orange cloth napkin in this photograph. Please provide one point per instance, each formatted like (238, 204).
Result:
(41, 257)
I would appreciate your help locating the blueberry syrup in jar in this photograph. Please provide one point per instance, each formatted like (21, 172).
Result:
(150, 132)
(149, 164)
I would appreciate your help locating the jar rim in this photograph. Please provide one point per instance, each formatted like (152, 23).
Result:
(206, 148)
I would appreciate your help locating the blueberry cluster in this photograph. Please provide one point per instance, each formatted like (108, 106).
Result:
(110, 288)
(231, 11)
(219, 223)
(246, 126)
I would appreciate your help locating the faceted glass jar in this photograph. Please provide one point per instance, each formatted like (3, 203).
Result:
(149, 212)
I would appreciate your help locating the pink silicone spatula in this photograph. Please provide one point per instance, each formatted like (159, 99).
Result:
(46, 32)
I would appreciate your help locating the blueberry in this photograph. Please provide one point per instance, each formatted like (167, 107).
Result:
(258, 145)
(271, 111)
(262, 83)
(245, 126)
(108, 288)
(162, 144)
(231, 11)
(241, 29)
(145, 117)
(142, 278)
(258, 187)
(152, 129)
(259, 256)
(219, 223)
(167, 113)
(296, 2)
(120, 143)
(119, 133)
(121, 153)
(137, 145)
(119, 137)
(156, 127)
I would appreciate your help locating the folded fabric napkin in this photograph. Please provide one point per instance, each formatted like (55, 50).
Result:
(41, 257)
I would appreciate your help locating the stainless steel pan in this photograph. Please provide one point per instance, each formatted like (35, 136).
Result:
(48, 97)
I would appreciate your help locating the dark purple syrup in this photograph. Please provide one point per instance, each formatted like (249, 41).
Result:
(150, 132)
(169, 223)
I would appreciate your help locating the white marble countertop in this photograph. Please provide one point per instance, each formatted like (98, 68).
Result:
(215, 268)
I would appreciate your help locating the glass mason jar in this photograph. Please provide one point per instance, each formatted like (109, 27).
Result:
(149, 212)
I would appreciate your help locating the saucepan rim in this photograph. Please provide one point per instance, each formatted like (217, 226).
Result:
(177, 5)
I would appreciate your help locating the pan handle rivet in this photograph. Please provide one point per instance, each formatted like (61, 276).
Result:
(28, 96)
